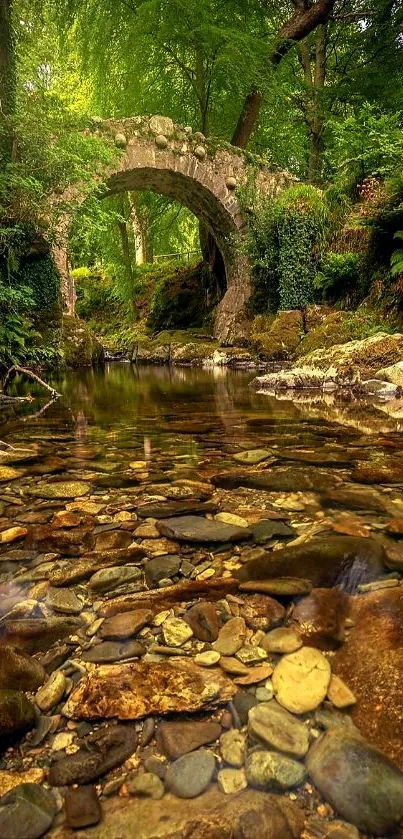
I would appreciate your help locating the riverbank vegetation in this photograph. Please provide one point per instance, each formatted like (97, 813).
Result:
(306, 86)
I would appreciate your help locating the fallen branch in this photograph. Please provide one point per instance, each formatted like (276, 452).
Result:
(160, 597)
(30, 375)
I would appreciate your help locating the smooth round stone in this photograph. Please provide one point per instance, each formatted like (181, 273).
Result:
(146, 785)
(109, 578)
(281, 640)
(207, 659)
(26, 812)
(191, 774)
(264, 694)
(231, 781)
(273, 772)
(52, 691)
(339, 693)
(301, 680)
(125, 625)
(233, 747)
(176, 632)
(275, 727)
(231, 518)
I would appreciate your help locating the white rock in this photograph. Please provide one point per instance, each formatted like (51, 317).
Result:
(301, 680)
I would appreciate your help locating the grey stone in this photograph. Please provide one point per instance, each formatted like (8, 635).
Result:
(359, 781)
(278, 729)
(110, 578)
(146, 785)
(64, 601)
(110, 651)
(26, 812)
(191, 774)
(273, 772)
(199, 529)
(161, 567)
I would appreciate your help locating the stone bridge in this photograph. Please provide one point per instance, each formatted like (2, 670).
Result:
(201, 174)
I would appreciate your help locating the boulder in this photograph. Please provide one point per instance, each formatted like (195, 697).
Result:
(277, 338)
(17, 713)
(393, 374)
(320, 618)
(345, 561)
(371, 663)
(359, 781)
(79, 345)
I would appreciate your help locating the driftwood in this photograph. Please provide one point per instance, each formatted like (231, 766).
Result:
(30, 375)
(163, 597)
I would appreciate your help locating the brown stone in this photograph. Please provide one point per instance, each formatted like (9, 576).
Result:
(175, 739)
(82, 807)
(125, 625)
(230, 637)
(132, 691)
(112, 539)
(69, 542)
(320, 618)
(371, 663)
(203, 620)
(255, 675)
(35, 634)
(262, 612)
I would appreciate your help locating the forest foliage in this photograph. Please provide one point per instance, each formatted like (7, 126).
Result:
(307, 83)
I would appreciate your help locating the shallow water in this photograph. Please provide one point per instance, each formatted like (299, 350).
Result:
(311, 468)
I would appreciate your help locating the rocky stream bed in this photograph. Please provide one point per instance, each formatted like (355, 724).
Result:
(201, 613)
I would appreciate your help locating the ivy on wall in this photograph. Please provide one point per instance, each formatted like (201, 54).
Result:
(285, 242)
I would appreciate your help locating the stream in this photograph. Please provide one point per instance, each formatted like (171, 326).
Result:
(201, 610)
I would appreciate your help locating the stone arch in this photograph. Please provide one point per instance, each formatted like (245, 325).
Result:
(203, 175)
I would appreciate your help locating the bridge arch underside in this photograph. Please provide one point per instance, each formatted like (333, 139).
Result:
(225, 225)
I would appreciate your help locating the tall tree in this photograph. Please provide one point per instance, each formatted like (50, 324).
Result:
(306, 17)
(7, 76)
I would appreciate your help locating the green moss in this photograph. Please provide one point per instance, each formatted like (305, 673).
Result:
(180, 299)
(79, 345)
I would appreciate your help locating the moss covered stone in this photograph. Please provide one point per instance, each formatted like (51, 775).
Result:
(79, 345)
(277, 338)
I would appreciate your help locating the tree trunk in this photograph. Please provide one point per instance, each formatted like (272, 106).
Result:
(7, 77)
(201, 88)
(127, 260)
(316, 142)
(247, 119)
(314, 114)
(302, 23)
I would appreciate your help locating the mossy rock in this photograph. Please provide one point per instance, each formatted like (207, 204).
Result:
(193, 353)
(336, 328)
(79, 345)
(277, 338)
(367, 356)
(180, 299)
